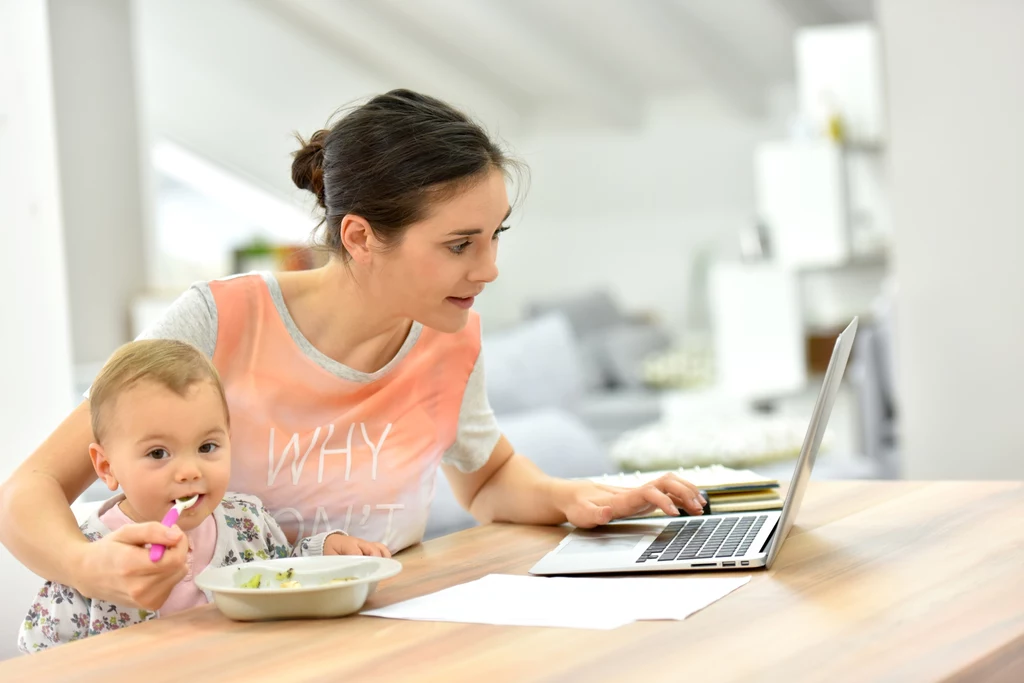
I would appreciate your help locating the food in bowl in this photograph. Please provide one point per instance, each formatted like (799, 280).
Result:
(296, 587)
(284, 580)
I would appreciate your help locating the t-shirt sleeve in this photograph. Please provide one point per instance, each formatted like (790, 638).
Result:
(478, 431)
(192, 318)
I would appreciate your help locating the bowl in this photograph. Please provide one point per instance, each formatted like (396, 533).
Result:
(296, 587)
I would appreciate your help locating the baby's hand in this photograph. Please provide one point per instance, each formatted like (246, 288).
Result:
(339, 544)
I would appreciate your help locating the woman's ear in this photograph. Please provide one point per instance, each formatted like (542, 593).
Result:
(357, 238)
(102, 466)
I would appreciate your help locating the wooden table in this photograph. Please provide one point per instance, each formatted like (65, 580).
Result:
(894, 581)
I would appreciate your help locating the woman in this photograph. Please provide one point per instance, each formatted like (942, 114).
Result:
(350, 385)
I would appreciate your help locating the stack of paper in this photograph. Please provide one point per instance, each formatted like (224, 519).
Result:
(728, 490)
(594, 603)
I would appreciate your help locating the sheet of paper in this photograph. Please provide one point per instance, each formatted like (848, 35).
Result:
(570, 602)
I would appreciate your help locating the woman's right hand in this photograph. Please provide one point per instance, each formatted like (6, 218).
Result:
(117, 568)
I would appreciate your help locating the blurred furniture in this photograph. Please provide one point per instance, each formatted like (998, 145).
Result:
(801, 197)
(758, 328)
(681, 367)
(711, 430)
(612, 347)
(872, 372)
(821, 191)
(840, 83)
(703, 427)
(260, 254)
(876, 581)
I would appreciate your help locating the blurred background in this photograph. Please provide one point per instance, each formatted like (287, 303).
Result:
(717, 187)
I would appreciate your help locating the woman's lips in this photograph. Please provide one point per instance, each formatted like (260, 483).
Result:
(466, 302)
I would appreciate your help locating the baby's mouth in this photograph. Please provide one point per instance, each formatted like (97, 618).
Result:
(194, 505)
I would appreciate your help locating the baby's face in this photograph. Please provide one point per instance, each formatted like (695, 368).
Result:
(162, 447)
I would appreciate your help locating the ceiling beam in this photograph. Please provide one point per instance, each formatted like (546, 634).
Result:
(356, 33)
(726, 72)
(809, 12)
(604, 98)
(606, 85)
(854, 10)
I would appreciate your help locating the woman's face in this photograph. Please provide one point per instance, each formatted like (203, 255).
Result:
(444, 261)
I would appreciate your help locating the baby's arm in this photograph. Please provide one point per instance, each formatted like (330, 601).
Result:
(335, 542)
(310, 546)
(60, 614)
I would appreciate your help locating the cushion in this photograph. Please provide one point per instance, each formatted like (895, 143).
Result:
(625, 347)
(532, 365)
(586, 312)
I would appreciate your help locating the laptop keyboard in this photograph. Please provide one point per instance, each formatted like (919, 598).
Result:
(703, 538)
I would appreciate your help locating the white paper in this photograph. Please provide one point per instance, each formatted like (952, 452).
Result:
(569, 602)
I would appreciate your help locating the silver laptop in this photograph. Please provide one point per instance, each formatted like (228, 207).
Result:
(710, 542)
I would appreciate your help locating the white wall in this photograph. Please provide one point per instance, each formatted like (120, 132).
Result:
(628, 209)
(957, 170)
(98, 148)
(233, 82)
(35, 365)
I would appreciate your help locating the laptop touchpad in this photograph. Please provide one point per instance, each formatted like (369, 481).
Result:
(600, 544)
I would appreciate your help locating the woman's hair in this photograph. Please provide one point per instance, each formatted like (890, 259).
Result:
(174, 365)
(388, 159)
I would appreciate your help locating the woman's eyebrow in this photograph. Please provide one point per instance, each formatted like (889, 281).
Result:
(477, 231)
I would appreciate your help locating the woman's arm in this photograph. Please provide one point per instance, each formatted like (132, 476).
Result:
(34, 502)
(510, 488)
(38, 527)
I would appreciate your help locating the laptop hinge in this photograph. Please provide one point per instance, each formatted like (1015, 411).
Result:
(768, 541)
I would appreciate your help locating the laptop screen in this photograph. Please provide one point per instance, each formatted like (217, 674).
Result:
(812, 440)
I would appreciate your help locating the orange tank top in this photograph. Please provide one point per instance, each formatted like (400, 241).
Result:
(324, 452)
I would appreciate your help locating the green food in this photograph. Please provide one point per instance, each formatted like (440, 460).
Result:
(343, 580)
(254, 582)
(285, 575)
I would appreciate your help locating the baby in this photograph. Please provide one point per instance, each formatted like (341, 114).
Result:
(160, 420)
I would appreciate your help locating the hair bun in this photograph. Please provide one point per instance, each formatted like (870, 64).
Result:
(308, 166)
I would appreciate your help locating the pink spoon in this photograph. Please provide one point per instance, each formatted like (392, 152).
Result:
(156, 551)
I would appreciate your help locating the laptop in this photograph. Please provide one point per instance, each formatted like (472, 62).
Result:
(710, 542)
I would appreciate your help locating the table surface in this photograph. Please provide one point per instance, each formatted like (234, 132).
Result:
(893, 581)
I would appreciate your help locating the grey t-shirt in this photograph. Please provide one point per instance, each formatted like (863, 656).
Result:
(192, 318)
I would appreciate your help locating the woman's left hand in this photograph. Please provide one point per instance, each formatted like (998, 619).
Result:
(589, 504)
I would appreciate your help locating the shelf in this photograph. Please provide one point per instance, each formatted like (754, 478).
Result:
(864, 146)
(855, 262)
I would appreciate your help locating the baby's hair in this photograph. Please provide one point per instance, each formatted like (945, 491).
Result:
(175, 365)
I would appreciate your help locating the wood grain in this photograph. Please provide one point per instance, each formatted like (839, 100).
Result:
(888, 581)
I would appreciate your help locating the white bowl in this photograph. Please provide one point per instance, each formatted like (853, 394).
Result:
(315, 598)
